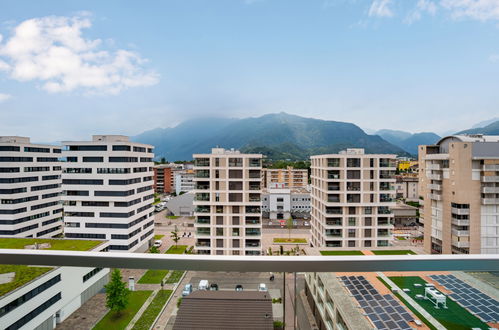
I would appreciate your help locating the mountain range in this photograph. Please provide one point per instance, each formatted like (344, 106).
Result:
(408, 141)
(278, 136)
(284, 136)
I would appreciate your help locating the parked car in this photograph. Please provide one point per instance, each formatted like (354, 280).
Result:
(158, 208)
(203, 285)
(157, 243)
(187, 290)
(262, 287)
(214, 287)
(239, 287)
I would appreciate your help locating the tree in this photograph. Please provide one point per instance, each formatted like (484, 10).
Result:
(162, 160)
(175, 236)
(289, 225)
(154, 249)
(117, 293)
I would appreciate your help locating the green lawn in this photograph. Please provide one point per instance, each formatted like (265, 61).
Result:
(156, 237)
(179, 249)
(401, 238)
(116, 321)
(290, 240)
(24, 274)
(55, 244)
(342, 253)
(173, 216)
(392, 252)
(175, 276)
(147, 318)
(454, 317)
(153, 276)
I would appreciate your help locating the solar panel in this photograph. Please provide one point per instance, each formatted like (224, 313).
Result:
(389, 310)
(385, 317)
(378, 310)
(384, 303)
(377, 296)
(406, 316)
(474, 309)
(394, 303)
(400, 309)
(379, 325)
(373, 317)
(391, 325)
(396, 317)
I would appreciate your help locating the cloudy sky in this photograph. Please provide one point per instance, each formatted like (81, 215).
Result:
(69, 69)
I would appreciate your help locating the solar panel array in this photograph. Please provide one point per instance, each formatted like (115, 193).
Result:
(470, 298)
(384, 311)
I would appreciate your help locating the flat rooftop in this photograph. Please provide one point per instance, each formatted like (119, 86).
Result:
(23, 274)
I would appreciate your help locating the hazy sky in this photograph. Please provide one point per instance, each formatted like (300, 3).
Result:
(69, 69)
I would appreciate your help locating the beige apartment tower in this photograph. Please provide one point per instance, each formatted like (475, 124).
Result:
(352, 196)
(287, 178)
(228, 203)
(459, 190)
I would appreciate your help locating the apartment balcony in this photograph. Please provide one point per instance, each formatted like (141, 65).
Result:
(333, 234)
(433, 167)
(490, 178)
(435, 197)
(203, 232)
(384, 210)
(333, 176)
(255, 162)
(434, 186)
(203, 243)
(333, 222)
(202, 162)
(252, 232)
(457, 232)
(490, 190)
(252, 243)
(490, 167)
(201, 209)
(461, 244)
(253, 209)
(202, 174)
(254, 187)
(434, 176)
(458, 222)
(457, 211)
(252, 222)
(388, 163)
(202, 187)
(203, 221)
(202, 197)
(330, 210)
(490, 201)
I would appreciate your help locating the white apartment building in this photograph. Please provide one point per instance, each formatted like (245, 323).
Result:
(30, 188)
(184, 181)
(279, 203)
(352, 195)
(108, 191)
(228, 202)
(49, 298)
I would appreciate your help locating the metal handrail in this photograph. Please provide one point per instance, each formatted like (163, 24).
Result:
(483, 262)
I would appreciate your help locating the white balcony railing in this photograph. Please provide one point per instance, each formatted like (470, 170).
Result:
(455, 210)
(490, 178)
(434, 186)
(434, 176)
(435, 197)
(446, 262)
(460, 222)
(461, 244)
(433, 166)
(489, 201)
(490, 167)
(460, 232)
(490, 190)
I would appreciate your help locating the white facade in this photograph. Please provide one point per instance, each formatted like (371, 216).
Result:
(30, 188)
(184, 181)
(281, 203)
(228, 203)
(406, 187)
(108, 191)
(49, 299)
(352, 195)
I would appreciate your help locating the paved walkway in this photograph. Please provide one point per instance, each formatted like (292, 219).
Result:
(87, 315)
